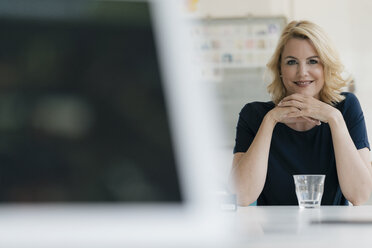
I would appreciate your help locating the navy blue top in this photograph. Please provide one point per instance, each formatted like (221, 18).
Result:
(300, 152)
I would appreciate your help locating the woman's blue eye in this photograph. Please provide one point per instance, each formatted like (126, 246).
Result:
(291, 62)
(313, 61)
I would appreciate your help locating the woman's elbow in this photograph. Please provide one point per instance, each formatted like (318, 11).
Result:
(243, 200)
(361, 198)
(244, 203)
(358, 202)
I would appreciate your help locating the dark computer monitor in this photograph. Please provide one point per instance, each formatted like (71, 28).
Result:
(82, 111)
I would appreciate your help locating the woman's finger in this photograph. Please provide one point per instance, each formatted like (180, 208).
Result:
(295, 96)
(292, 103)
(315, 121)
(301, 114)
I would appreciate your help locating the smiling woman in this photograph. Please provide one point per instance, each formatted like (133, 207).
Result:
(309, 127)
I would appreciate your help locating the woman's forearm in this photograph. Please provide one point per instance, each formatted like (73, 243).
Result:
(353, 172)
(249, 169)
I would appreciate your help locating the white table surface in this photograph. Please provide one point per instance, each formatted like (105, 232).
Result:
(253, 226)
(290, 226)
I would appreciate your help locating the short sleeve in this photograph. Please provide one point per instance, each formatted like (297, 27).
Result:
(355, 122)
(246, 128)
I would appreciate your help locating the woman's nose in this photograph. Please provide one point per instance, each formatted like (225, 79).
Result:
(302, 70)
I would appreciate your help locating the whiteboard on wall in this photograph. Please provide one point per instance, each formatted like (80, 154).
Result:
(231, 54)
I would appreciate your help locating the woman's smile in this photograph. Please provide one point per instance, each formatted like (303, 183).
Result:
(303, 83)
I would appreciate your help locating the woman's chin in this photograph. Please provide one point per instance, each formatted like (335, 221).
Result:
(306, 93)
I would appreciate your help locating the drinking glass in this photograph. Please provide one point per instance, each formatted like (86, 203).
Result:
(309, 190)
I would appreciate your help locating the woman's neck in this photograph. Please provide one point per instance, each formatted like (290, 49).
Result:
(301, 126)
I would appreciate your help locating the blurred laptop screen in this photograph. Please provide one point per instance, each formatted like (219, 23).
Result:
(82, 111)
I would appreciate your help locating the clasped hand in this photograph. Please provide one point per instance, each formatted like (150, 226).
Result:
(299, 108)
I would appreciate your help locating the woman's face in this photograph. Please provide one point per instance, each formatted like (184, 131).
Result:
(301, 68)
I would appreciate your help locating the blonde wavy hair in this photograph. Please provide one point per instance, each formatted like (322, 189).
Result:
(332, 66)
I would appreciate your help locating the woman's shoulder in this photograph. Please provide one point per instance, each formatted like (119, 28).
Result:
(350, 101)
(350, 106)
(349, 96)
(253, 113)
(256, 109)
